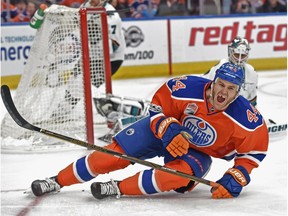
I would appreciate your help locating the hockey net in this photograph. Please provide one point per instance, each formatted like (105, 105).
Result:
(68, 64)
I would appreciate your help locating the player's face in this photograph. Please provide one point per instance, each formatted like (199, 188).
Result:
(223, 93)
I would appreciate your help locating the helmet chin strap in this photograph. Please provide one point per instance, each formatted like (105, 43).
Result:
(212, 86)
(211, 94)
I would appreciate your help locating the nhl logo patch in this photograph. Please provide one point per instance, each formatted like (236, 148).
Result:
(191, 109)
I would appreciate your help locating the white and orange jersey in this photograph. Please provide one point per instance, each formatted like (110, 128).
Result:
(115, 32)
(238, 132)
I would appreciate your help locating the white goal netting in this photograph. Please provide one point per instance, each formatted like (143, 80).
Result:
(52, 93)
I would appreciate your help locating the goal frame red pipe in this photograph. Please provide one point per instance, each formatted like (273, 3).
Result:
(86, 64)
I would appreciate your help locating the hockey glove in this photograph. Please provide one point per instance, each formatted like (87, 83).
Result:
(169, 132)
(231, 183)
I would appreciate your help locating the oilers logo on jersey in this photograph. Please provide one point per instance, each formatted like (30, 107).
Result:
(203, 134)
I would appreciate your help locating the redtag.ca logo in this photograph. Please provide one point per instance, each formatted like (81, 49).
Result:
(265, 33)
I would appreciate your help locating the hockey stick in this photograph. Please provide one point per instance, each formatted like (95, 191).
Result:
(12, 110)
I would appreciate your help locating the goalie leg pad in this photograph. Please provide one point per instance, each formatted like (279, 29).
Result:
(130, 107)
(104, 106)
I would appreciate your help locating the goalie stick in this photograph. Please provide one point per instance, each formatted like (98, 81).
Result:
(12, 110)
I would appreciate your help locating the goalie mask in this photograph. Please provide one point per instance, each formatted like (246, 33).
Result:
(238, 51)
(231, 73)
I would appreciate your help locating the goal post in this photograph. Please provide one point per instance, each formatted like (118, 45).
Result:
(68, 64)
(86, 66)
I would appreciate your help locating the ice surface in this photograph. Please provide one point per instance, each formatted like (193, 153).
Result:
(265, 195)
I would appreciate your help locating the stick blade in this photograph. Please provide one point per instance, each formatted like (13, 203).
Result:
(12, 110)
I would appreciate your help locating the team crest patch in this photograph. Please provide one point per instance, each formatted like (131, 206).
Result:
(203, 134)
(191, 109)
(130, 131)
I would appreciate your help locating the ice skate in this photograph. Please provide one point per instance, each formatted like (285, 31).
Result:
(40, 187)
(101, 190)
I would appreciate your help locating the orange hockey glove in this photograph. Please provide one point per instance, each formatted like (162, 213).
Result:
(169, 132)
(221, 193)
(231, 183)
(178, 146)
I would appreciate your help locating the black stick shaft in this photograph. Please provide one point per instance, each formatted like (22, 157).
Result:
(12, 110)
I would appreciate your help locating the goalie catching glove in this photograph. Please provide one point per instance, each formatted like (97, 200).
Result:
(231, 183)
(169, 131)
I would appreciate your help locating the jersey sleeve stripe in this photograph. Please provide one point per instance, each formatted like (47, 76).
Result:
(188, 99)
(241, 125)
(257, 158)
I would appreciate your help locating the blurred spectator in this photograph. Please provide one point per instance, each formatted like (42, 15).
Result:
(22, 15)
(114, 3)
(193, 7)
(8, 11)
(226, 5)
(26, 11)
(241, 7)
(31, 9)
(273, 6)
(236, 6)
(69, 3)
(176, 7)
(255, 5)
(121, 5)
(143, 8)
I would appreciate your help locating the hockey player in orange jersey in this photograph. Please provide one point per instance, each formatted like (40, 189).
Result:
(222, 125)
